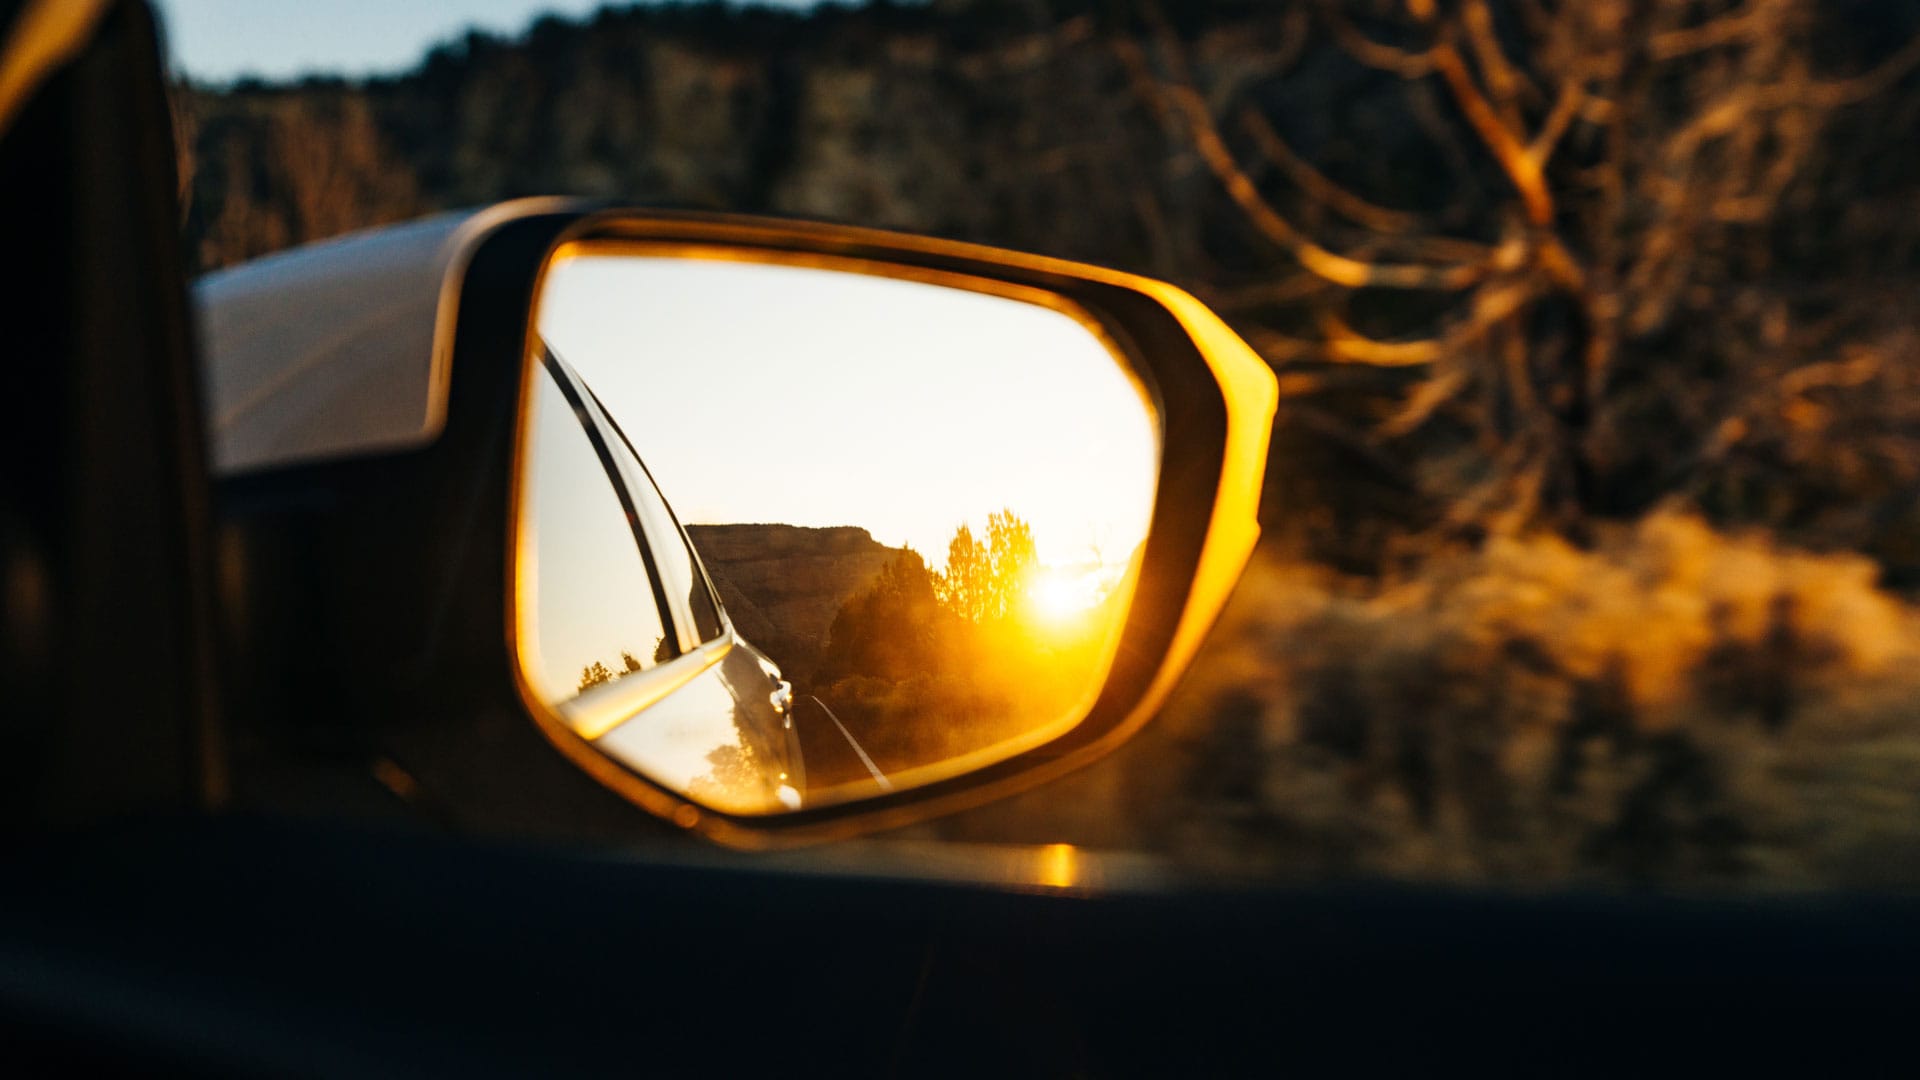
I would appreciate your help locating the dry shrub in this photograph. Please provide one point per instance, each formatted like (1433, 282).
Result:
(1674, 706)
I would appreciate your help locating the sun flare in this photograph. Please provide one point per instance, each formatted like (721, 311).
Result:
(1063, 596)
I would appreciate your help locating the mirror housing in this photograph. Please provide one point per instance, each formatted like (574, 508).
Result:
(367, 531)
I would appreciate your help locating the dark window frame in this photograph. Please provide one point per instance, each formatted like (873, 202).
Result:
(570, 388)
(701, 579)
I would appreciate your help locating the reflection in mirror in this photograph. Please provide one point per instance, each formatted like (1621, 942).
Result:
(920, 506)
(594, 616)
(601, 637)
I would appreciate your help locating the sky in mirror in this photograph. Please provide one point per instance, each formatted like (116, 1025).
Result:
(760, 393)
(593, 602)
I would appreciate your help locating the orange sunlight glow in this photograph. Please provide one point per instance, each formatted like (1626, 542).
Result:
(1060, 597)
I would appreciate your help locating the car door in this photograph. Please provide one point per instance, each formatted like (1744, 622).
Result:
(634, 626)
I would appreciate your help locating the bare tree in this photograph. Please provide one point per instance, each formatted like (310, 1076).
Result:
(286, 167)
(1622, 164)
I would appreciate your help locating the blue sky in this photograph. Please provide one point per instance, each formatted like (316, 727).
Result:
(219, 40)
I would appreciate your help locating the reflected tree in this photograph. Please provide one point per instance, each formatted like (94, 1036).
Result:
(963, 587)
(597, 673)
(736, 777)
(593, 675)
(1011, 560)
(983, 581)
(894, 629)
(925, 666)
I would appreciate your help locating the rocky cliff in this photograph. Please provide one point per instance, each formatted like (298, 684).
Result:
(783, 584)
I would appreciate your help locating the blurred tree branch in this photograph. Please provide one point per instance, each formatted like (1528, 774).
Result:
(1647, 147)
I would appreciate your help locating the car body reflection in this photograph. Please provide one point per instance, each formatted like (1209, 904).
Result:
(666, 685)
(718, 738)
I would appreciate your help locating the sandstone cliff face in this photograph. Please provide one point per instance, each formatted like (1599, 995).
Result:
(783, 584)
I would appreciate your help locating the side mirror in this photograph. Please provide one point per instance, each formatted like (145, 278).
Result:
(789, 530)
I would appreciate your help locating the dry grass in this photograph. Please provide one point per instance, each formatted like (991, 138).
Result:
(1675, 706)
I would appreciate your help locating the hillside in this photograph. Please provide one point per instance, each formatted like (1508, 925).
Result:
(783, 584)
(910, 117)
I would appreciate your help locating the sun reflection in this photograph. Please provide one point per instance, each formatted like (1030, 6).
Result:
(1058, 596)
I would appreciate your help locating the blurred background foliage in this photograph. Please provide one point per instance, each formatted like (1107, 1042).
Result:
(1593, 513)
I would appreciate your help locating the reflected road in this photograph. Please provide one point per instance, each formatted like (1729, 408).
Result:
(834, 758)
(878, 777)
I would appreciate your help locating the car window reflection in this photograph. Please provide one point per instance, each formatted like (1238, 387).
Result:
(672, 559)
(596, 619)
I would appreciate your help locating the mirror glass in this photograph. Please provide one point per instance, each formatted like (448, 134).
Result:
(793, 534)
